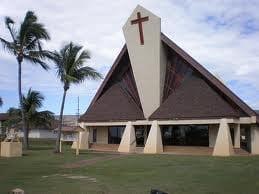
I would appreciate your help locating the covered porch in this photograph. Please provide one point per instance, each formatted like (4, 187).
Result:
(222, 137)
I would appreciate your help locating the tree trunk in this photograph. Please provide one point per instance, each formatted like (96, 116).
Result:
(57, 150)
(25, 131)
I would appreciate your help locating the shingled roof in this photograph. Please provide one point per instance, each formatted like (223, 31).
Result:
(3, 116)
(210, 78)
(200, 96)
(117, 98)
(195, 99)
(114, 105)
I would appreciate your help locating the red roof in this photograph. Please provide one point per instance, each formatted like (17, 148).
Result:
(3, 116)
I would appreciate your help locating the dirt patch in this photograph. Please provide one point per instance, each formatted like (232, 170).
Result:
(71, 176)
(92, 161)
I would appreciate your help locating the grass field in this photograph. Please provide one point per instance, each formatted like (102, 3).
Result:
(40, 171)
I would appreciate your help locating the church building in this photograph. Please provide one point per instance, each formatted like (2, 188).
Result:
(156, 98)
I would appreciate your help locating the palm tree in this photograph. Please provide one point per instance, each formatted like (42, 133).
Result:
(26, 44)
(70, 67)
(32, 102)
(1, 102)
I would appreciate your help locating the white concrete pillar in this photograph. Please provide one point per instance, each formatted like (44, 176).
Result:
(128, 140)
(83, 141)
(90, 136)
(254, 139)
(154, 141)
(213, 132)
(223, 145)
(236, 135)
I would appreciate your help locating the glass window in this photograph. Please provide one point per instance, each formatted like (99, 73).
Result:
(114, 134)
(167, 134)
(185, 135)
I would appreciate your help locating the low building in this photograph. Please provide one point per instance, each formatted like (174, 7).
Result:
(157, 98)
(69, 128)
(68, 133)
(46, 133)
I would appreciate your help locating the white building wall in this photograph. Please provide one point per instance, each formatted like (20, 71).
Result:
(102, 135)
(146, 57)
(40, 134)
(90, 137)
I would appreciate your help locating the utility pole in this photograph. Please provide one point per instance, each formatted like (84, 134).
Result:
(78, 110)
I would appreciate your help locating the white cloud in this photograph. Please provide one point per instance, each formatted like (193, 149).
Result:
(222, 35)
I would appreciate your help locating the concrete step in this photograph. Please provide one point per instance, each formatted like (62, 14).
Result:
(104, 147)
(241, 152)
(188, 150)
(139, 150)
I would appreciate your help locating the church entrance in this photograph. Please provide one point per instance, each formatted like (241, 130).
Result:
(141, 132)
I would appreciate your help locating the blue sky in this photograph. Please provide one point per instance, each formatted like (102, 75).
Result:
(222, 35)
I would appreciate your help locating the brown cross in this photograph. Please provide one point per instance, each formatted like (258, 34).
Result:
(139, 21)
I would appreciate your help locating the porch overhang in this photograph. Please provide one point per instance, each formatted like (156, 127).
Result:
(241, 120)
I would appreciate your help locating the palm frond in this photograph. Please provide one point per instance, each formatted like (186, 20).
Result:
(69, 55)
(36, 60)
(33, 44)
(55, 57)
(40, 54)
(29, 18)
(33, 117)
(9, 46)
(69, 64)
(42, 119)
(86, 73)
(82, 57)
(14, 118)
(32, 101)
(13, 111)
(8, 22)
(31, 29)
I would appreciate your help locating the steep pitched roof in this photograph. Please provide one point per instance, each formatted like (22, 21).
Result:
(257, 116)
(108, 76)
(117, 98)
(211, 79)
(194, 98)
(131, 111)
(3, 116)
(114, 105)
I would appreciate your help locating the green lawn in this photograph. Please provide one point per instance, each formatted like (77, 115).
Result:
(41, 171)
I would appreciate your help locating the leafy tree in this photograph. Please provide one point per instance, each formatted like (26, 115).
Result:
(70, 67)
(26, 44)
(32, 102)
